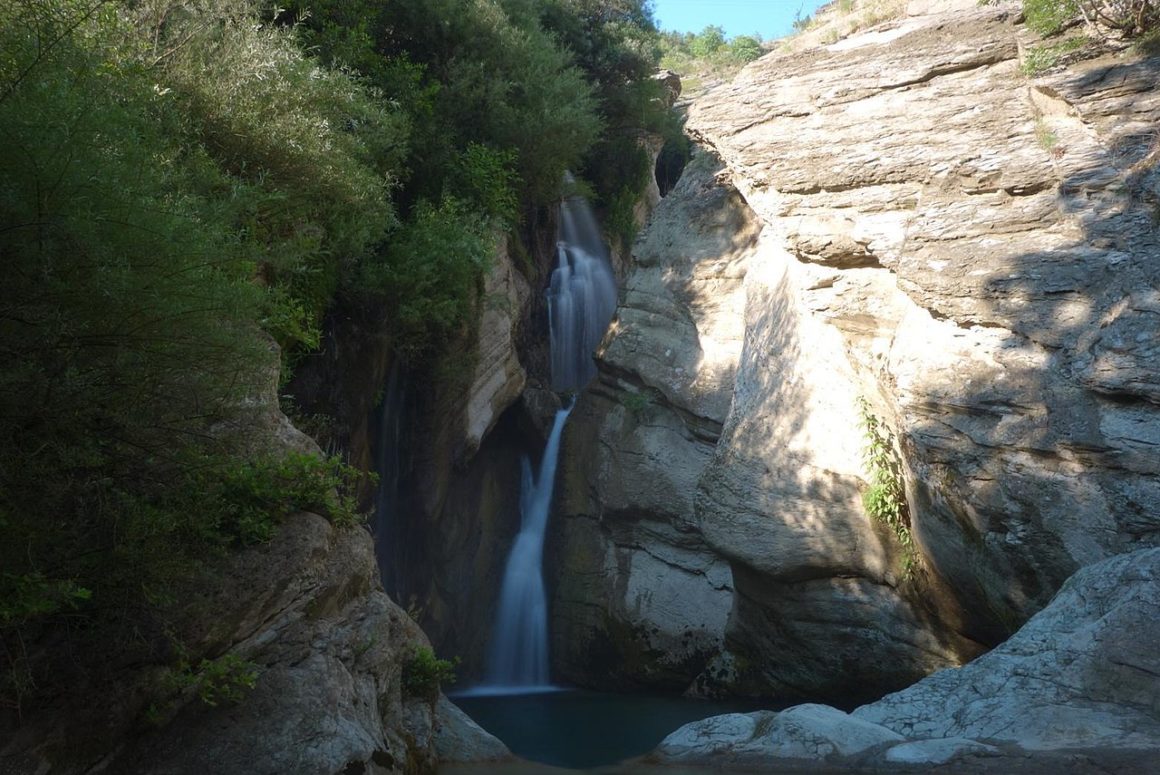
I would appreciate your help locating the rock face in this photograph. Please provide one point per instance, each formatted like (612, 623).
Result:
(1077, 685)
(499, 376)
(306, 613)
(984, 245)
(1082, 673)
(969, 251)
(639, 599)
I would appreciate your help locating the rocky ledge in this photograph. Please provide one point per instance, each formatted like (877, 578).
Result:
(1077, 687)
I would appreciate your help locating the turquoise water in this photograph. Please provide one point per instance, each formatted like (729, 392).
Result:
(584, 730)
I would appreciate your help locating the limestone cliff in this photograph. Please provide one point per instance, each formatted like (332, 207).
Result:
(970, 250)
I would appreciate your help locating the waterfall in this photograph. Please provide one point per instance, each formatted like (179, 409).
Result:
(581, 300)
(387, 451)
(518, 659)
(581, 296)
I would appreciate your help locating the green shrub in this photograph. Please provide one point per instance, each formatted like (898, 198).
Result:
(244, 503)
(885, 499)
(708, 42)
(430, 273)
(1131, 18)
(1039, 59)
(1048, 17)
(424, 674)
(487, 178)
(222, 681)
(636, 403)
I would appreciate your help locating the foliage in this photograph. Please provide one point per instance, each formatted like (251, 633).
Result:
(222, 681)
(617, 181)
(1045, 135)
(636, 403)
(1130, 18)
(487, 177)
(149, 229)
(431, 270)
(186, 189)
(885, 500)
(424, 674)
(1048, 17)
(1039, 59)
(308, 152)
(244, 503)
(709, 50)
(707, 42)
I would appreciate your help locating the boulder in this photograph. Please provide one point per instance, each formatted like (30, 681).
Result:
(1081, 674)
(458, 739)
(803, 733)
(1076, 687)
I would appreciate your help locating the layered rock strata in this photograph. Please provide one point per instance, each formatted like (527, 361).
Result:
(984, 244)
(639, 599)
(969, 251)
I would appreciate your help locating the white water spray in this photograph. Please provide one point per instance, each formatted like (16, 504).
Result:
(581, 300)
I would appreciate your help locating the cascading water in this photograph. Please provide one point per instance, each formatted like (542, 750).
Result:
(387, 449)
(581, 300)
(518, 660)
(581, 296)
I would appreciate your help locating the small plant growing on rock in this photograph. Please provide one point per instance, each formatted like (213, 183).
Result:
(1040, 59)
(424, 674)
(637, 403)
(222, 681)
(885, 500)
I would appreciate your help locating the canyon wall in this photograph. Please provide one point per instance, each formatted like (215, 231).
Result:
(934, 241)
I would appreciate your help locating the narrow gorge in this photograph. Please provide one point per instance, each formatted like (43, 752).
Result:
(844, 450)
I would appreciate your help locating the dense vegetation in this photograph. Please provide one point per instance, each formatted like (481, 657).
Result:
(686, 52)
(186, 188)
(1129, 18)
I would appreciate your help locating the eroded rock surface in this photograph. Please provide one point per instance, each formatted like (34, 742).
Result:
(306, 613)
(1076, 687)
(984, 244)
(970, 251)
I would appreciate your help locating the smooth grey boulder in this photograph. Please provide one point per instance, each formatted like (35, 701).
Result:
(1078, 685)
(803, 732)
(459, 739)
(1083, 673)
(938, 751)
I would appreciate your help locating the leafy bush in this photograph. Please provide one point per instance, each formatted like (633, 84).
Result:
(424, 674)
(1038, 59)
(1048, 17)
(708, 42)
(244, 503)
(1131, 18)
(885, 500)
(710, 50)
(430, 272)
(140, 239)
(308, 152)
